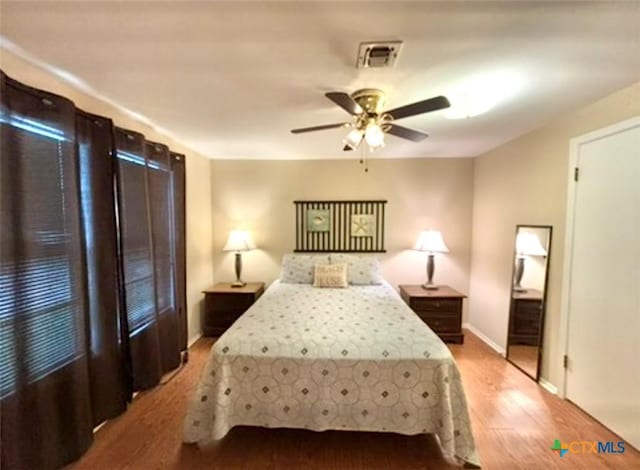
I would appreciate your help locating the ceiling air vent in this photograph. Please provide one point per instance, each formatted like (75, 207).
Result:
(378, 54)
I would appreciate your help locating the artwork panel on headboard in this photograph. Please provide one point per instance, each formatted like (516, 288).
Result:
(340, 226)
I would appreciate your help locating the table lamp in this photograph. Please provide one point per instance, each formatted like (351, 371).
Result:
(430, 241)
(239, 241)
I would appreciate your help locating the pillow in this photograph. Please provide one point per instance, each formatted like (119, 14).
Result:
(298, 269)
(361, 270)
(330, 275)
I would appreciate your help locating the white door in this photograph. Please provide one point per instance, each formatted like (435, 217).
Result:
(603, 374)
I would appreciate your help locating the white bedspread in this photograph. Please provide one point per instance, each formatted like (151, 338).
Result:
(351, 359)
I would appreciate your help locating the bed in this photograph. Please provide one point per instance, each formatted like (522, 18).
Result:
(355, 358)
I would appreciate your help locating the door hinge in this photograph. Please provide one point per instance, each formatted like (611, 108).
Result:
(576, 173)
(565, 361)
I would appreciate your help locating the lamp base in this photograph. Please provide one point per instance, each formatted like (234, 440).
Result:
(238, 265)
(431, 265)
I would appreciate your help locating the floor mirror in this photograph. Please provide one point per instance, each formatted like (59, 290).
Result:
(532, 248)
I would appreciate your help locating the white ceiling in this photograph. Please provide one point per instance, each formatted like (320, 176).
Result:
(229, 79)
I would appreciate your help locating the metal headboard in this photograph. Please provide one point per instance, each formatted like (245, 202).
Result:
(340, 226)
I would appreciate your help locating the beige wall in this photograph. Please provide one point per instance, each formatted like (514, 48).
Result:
(525, 182)
(421, 193)
(199, 269)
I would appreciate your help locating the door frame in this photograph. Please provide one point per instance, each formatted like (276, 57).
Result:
(575, 145)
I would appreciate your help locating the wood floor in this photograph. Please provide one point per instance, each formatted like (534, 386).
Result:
(514, 421)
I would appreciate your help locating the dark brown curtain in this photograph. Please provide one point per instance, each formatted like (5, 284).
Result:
(44, 375)
(92, 273)
(108, 329)
(163, 236)
(137, 259)
(180, 231)
(146, 202)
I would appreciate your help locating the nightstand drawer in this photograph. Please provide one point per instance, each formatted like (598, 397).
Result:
(227, 316)
(529, 306)
(526, 325)
(435, 305)
(442, 323)
(528, 315)
(233, 301)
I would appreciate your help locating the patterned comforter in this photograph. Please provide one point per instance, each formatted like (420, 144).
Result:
(351, 359)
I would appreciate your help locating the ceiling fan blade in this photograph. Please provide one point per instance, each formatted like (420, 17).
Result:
(405, 133)
(320, 128)
(347, 148)
(345, 102)
(420, 107)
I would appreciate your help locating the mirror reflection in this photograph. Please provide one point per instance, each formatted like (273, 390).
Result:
(528, 294)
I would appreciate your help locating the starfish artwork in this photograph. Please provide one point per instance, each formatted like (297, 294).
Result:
(362, 225)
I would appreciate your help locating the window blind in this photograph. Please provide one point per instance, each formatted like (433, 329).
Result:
(135, 231)
(40, 267)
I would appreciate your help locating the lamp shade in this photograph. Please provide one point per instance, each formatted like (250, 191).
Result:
(353, 139)
(239, 240)
(528, 243)
(431, 240)
(374, 136)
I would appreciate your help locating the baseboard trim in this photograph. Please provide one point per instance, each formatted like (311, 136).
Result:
(194, 339)
(484, 338)
(548, 386)
(97, 428)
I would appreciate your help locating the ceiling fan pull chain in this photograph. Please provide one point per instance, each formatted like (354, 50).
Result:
(363, 159)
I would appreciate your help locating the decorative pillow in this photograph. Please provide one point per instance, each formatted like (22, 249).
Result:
(298, 269)
(330, 275)
(361, 270)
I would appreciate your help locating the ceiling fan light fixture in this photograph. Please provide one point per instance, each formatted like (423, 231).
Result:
(353, 139)
(370, 121)
(374, 136)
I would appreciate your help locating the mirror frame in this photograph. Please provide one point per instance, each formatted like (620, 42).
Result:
(543, 314)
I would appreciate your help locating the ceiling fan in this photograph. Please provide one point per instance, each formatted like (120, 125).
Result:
(371, 123)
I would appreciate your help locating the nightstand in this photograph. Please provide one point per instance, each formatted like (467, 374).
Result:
(441, 309)
(223, 305)
(526, 312)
